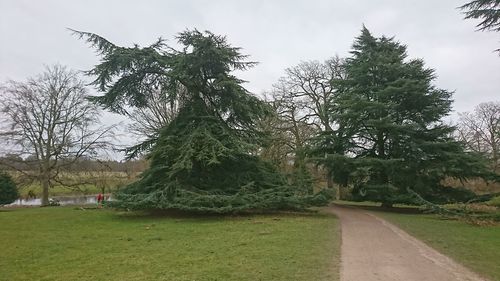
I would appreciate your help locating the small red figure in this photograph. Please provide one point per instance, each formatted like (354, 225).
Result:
(100, 198)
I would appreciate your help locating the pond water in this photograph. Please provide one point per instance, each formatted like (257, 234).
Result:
(63, 200)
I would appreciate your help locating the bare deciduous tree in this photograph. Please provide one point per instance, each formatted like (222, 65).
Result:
(308, 86)
(50, 123)
(288, 130)
(304, 97)
(480, 131)
(147, 121)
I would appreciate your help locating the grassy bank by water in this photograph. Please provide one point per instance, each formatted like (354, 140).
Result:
(79, 184)
(64, 243)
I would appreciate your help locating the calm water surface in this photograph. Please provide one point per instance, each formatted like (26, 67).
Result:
(63, 200)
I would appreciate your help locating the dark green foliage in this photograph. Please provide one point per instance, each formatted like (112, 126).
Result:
(390, 121)
(328, 149)
(488, 11)
(8, 189)
(302, 180)
(204, 160)
(300, 176)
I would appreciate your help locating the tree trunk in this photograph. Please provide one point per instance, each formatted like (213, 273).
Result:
(329, 180)
(494, 155)
(342, 191)
(45, 191)
(386, 205)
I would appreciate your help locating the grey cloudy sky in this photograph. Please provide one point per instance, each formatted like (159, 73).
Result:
(278, 34)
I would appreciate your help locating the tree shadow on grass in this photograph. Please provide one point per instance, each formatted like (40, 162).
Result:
(200, 216)
(371, 207)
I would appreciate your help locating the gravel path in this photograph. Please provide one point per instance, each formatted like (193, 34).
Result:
(373, 249)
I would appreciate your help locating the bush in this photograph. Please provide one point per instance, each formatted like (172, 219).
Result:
(54, 202)
(494, 202)
(471, 208)
(450, 195)
(8, 189)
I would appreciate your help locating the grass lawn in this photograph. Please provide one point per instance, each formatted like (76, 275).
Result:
(477, 247)
(64, 243)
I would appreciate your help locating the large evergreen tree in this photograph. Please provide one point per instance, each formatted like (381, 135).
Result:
(391, 137)
(205, 159)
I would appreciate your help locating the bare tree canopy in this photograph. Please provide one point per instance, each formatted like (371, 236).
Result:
(303, 99)
(288, 127)
(49, 122)
(308, 88)
(480, 131)
(160, 109)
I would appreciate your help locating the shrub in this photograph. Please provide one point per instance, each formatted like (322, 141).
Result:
(8, 189)
(494, 202)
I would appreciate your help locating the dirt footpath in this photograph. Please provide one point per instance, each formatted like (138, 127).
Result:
(373, 249)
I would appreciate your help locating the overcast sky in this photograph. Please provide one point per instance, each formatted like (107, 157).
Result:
(277, 34)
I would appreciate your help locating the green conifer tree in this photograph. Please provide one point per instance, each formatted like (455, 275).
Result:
(393, 137)
(205, 160)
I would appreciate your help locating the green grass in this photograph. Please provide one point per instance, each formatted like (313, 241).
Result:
(62, 243)
(477, 247)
